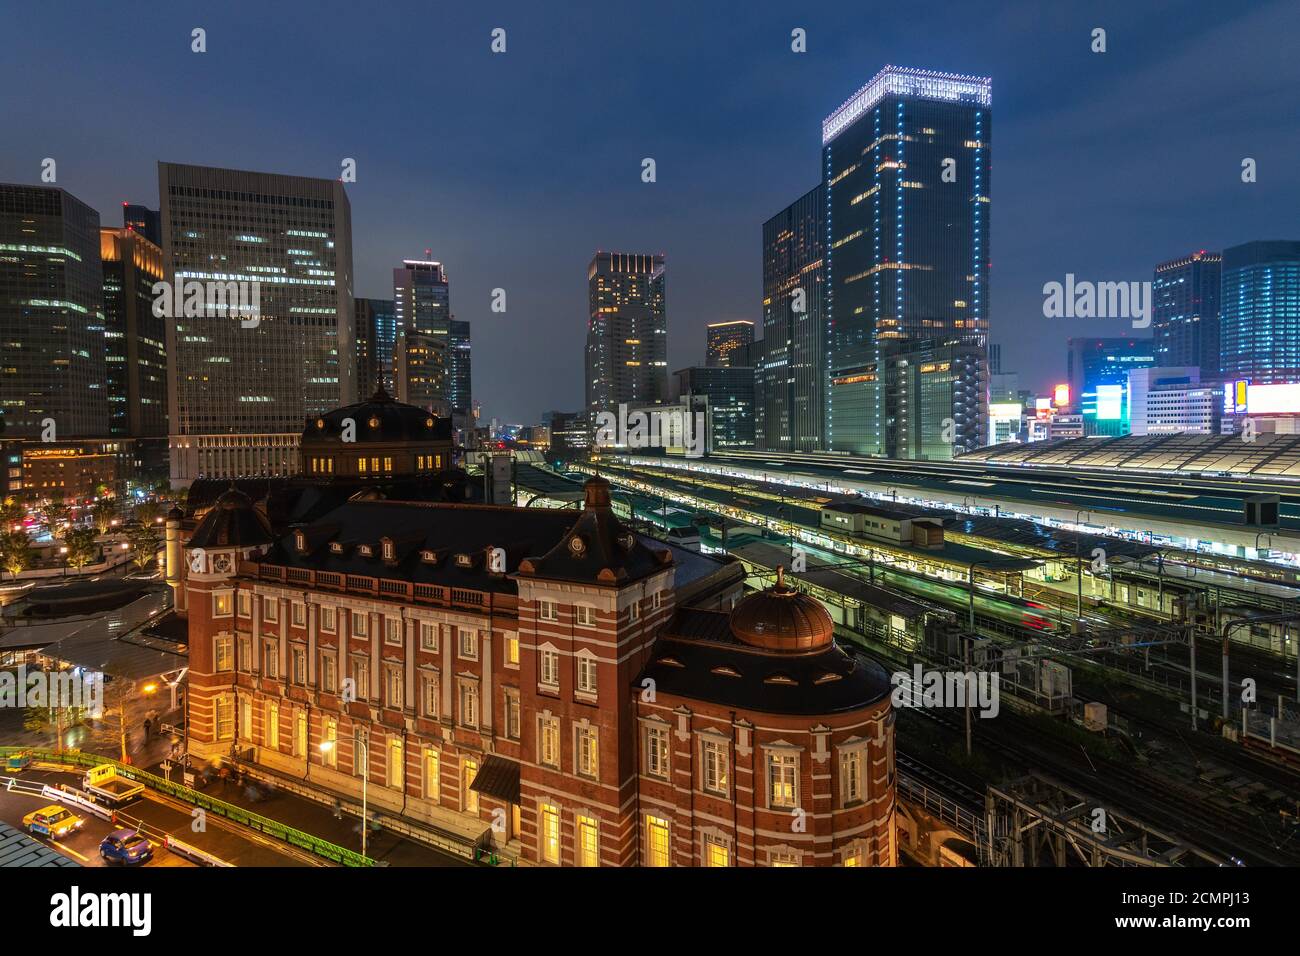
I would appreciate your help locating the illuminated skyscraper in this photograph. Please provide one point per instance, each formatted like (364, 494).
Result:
(1185, 312)
(51, 315)
(627, 331)
(1261, 312)
(906, 172)
(725, 338)
(290, 235)
(422, 306)
(791, 376)
(459, 378)
(135, 338)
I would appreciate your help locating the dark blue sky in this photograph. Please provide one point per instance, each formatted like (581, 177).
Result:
(514, 168)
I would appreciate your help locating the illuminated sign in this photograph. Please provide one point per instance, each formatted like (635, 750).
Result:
(1061, 396)
(1281, 399)
(1005, 411)
(1110, 402)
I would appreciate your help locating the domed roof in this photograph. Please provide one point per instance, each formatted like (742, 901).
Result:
(380, 419)
(782, 619)
(233, 522)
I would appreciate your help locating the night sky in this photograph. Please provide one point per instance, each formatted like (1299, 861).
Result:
(513, 169)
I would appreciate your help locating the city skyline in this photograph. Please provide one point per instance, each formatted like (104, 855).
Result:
(728, 158)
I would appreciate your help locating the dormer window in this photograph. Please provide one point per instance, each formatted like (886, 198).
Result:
(725, 671)
(827, 678)
(374, 421)
(464, 561)
(671, 662)
(366, 550)
(336, 547)
(429, 557)
(389, 549)
(577, 545)
(781, 679)
(300, 542)
(627, 540)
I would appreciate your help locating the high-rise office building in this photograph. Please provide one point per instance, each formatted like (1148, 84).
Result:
(1173, 401)
(724, 338)
(793, 370)
(365, 340)
(143, 220)
(1185, 312)
(422, 304)
(1097, 373)
(135, 340)
(906, 168)
(1261, 312)
(728, 391)
(935, 399)
(627, 332)
(51, 315)
(288, 240)
(460, 378)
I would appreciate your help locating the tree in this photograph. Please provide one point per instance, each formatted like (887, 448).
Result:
(102, 515)
(54, 514)
(12, 513)
(16, 552)
(147, 512)
(82, 547)
(145, 540)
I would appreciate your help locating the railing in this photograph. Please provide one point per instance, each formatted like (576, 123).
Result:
(271, 828)
(943, 808)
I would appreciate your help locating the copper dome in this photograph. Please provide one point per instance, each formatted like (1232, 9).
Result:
(782, 619)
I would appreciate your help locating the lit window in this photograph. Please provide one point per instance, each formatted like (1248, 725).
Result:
(851, 776)
(272, 735)
(588, 834)
(221, 604)
(657, 841)
(225, 718)
(716, 852)
(512, 650)
(432, 775)
(550, 833)
(469, 770)
(782, 771)
(396, 758)
(224, 653)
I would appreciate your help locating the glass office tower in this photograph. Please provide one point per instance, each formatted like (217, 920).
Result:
(51, 315)
(792, 371)
(135, 339)
(422, 303)
(292, 236)
(1261, 312)
(627, 332)
(1185, 312)
(906, 171)
(724, 338)
(460, 374)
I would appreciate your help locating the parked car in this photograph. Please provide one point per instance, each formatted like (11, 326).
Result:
(127, 847)
(53, 821)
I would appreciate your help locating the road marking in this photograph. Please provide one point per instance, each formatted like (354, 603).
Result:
(68, 849)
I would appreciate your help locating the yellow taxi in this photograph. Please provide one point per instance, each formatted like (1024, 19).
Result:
(53, 821)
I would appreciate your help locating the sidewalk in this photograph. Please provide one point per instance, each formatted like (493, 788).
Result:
(319, 820)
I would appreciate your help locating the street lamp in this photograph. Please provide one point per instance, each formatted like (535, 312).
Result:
(364, 742)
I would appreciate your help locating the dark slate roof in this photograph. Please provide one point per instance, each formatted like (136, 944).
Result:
(697, 643)
(443, 530)
(18, 849)
(598, 549)
(233, 522)
(393, 421)
(498, 778)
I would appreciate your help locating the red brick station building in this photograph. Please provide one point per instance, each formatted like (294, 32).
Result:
(542, 679)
